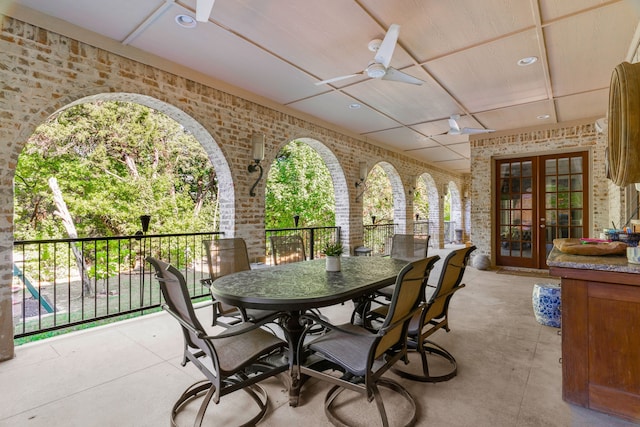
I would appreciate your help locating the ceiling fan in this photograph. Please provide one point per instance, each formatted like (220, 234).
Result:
(379, 67)
(454, 128)
(203, 10)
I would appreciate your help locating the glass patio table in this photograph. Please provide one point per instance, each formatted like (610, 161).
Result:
(296, 287)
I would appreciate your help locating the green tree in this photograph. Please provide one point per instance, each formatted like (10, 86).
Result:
(377, 199)
(299, 183)
(421, 200)
(114, 161)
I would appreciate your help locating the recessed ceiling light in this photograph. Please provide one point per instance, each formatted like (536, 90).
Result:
(543, 116)
(186, 21)
(354, 106)
(523, 62)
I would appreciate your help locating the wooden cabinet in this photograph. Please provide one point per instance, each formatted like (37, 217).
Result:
(601, 340)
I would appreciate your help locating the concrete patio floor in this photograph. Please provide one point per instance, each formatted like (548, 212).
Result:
(129, 373)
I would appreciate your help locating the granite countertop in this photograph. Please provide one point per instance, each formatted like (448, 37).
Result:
(617, 263)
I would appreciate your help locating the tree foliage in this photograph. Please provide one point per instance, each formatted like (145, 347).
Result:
(299, 183)
(114, 161)
(377, 199)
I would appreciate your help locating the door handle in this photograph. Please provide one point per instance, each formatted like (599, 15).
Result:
(542, 226)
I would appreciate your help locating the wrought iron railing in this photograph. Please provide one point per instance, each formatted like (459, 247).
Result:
(61, 283)
(377, 237)
(315, 238)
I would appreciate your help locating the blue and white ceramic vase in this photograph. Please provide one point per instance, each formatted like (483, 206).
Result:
(547, 304)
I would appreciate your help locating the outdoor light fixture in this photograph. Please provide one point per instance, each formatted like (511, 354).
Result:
(362, 176)
(144, 222)
(257, 149)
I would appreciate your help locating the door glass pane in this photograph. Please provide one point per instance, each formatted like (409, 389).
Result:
(576, 165)
(504, 170)
(563, 182)
(527, 169)
(504, 217)
(550, 167)
(576, 182)
(563, 166)
(576, 217)
(550, 200)
(576, 199)
(527, 185)
(550, 183)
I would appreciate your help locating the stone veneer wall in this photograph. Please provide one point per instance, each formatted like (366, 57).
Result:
(42, 72)
(485, 149)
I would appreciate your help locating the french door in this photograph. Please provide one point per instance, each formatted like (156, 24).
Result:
(539, 198)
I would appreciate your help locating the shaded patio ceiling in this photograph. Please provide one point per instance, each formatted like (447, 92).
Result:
(464, 51)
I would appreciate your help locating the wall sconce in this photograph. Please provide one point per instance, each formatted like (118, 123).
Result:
(445, 190)
(361, 178)
(257, 150)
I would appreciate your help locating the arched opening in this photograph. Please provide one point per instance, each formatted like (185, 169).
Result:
(300, 194)
(426, 206)
(383, 207)
(103, 204)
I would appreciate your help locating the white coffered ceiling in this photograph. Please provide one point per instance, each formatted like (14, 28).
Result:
(465, 51)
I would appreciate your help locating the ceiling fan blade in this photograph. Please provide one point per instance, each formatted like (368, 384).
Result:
(398, 76)
(385, 51)
(335, 79)
(471, 131)
(203, 10)
(454, 129)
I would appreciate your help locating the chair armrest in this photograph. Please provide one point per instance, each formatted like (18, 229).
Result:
(247, 326)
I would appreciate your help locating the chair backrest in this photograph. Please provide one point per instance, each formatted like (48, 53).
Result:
(453, 269)
(176, 295)
(226, 256)
(407, 295)
(409, 246)
(287, 249)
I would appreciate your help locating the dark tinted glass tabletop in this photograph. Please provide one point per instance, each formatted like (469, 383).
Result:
(306, 284)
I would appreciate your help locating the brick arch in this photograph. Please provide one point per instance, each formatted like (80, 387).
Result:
(342, 204)
(399, 196)
(216, 156)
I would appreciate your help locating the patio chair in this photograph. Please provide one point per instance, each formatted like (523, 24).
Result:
(235, 360)
(406, 247)
(409, 247)
(362, 357)
(287, 249)
(226, 256)
(435, 316)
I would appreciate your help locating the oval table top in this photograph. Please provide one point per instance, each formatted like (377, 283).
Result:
(306, 284)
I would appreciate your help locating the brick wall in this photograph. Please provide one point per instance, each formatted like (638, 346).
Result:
(42, 72)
